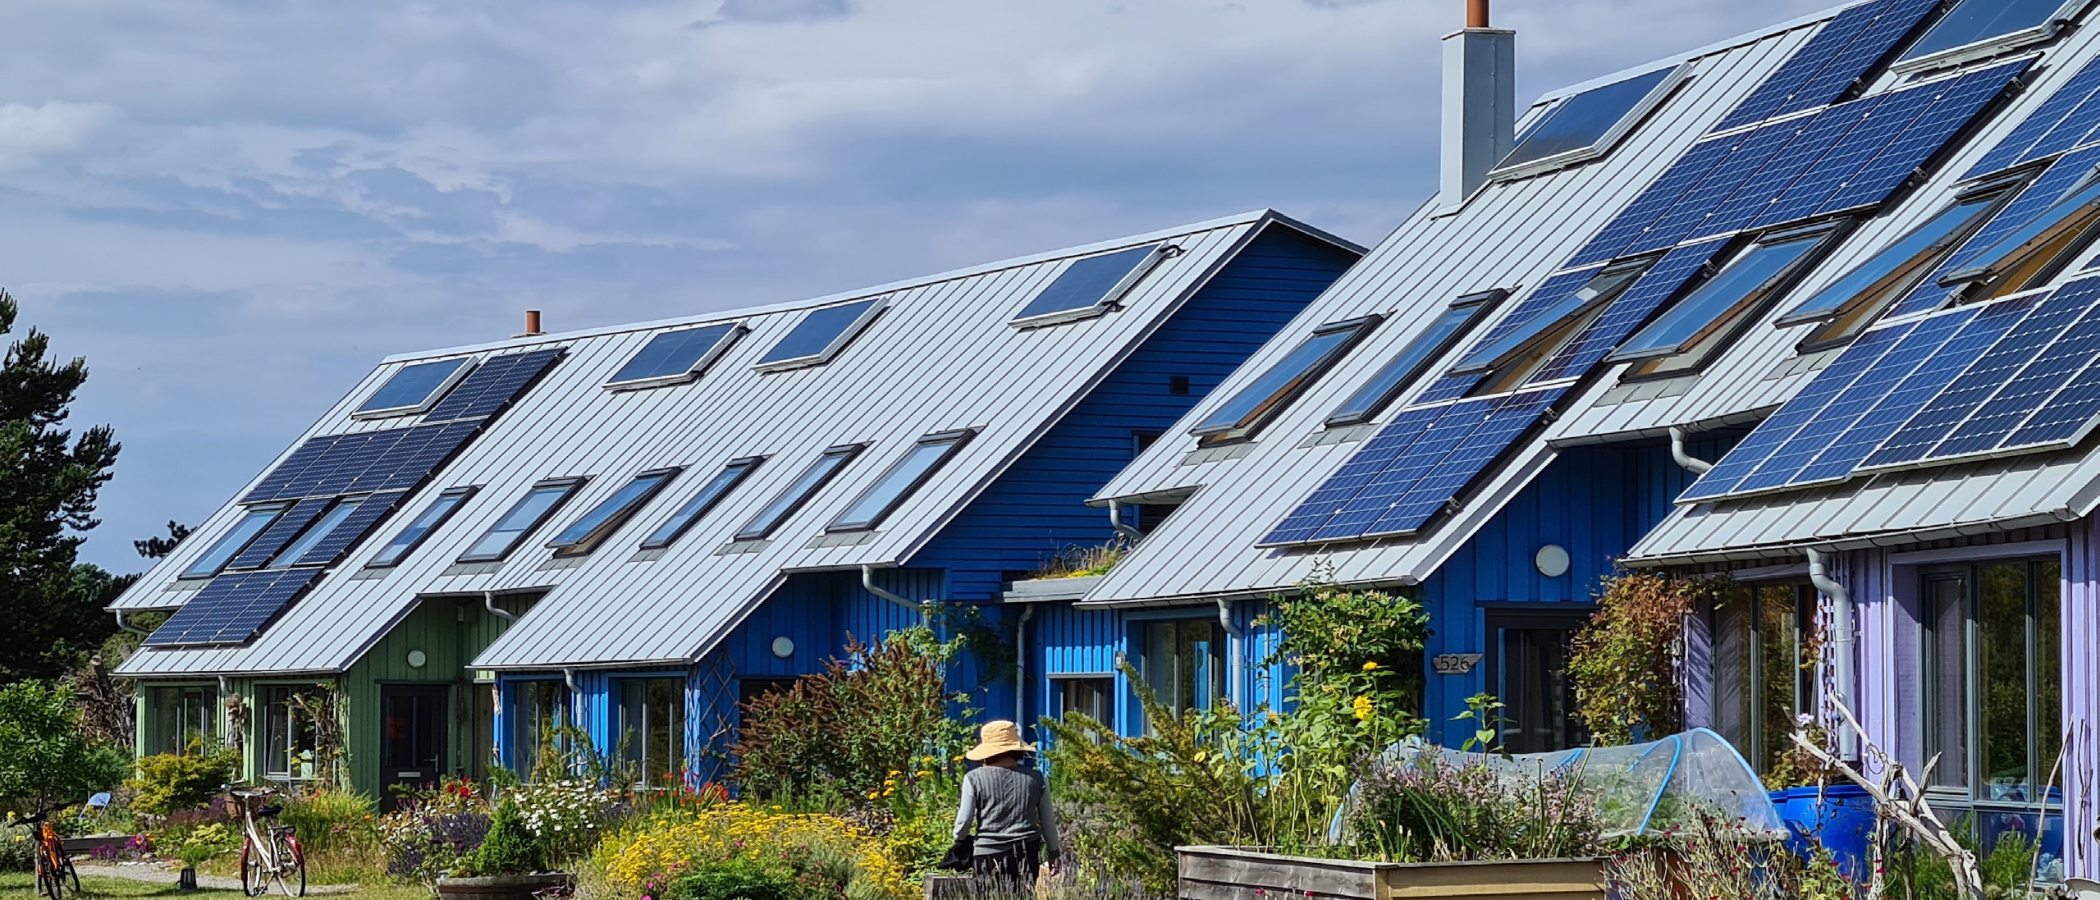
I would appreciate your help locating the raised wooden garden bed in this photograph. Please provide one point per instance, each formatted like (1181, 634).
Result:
(1230, 873)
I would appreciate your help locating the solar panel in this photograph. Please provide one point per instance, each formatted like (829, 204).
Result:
(2066, 419)
(1682, 176)
(1818, 135)
(493, 386)
(352, 529)
(1917, 438)
(1487, 443)
(272, 486)
(1358, 472)
(1687, 218)
(1829, 41)
(1786, 463)
(2035, 200)
(2060, 123)
(1893, 22)
(1887, 116)
(1983, 327)
(2040, 379)
(1584, 121)
(822, 333)
(280, 533)
(1411, 464)
(1661, 282)
(676, 357)
(1088, 286)
(413, 388)
(1797, 413)
(233, 608)
(1927, 137)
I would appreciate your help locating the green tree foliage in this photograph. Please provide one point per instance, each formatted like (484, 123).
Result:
(171, 782)
(43, 757)
(49, 479)
(510, 848)
(1627, 660)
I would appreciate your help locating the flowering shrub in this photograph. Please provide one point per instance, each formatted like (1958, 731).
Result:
(804, 856)
(1432, 810)
(15, 846)
(434, 830)
(567, 815)
(1627, 661)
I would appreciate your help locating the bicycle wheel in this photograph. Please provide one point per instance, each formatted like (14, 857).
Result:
(46, 876)
(72, 875)
(254, 880)
(291, 866)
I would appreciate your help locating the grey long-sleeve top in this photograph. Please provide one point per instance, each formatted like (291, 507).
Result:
(1010, 807)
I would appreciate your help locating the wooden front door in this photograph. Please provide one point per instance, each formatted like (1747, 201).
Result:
(411, 735)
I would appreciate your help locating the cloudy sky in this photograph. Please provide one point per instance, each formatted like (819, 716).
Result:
(233, 208)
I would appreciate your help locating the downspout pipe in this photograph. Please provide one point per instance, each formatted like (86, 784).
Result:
(1235, 643)
(867, 580)
(1684, 459)
(1115, 518)
(127, 626)
(1021, 662)
(488, 602)
(1841, 645)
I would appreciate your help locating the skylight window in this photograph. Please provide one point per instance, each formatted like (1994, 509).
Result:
(1259, 403)
(927, 456)
(1091, 286)
(703, 502)
(315, 533)
(540, 504)
(428, 521)
(822, 334)
(1589, 124)
(415, 388)
(590, 531)
(1414, 359)
(2037, 252)
(1977, 27)
(1693, 331)
(1848, 305)
(244, 532)
(805, 485)
(1522, 349)
(676, 357)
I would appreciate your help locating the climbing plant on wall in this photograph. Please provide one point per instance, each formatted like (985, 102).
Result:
(1628, 660)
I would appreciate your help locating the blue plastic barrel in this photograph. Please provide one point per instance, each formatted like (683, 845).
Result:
(1842, 823)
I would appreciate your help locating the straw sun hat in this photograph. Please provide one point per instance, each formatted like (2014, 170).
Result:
(998, 737)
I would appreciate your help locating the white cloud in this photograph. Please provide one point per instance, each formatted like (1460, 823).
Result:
(30, 133)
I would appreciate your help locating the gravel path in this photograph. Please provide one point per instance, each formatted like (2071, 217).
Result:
(155, 872)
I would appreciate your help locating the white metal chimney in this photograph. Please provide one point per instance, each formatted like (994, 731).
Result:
(1480, 103)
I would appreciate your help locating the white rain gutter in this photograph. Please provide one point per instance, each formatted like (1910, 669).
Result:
(1841, 645)
(867, 580)
(488, 602)
(1021, 661)
(127, 626)
(1690, 463)
(1232, 653)
(1115, 518)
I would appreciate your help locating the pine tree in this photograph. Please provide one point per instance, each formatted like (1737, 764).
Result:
(48, 484)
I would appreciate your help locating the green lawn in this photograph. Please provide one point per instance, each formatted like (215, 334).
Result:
(21, 886)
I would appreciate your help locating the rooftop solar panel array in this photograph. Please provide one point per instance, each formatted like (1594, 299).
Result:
(1842, 54)
(391, 460)
(281, 532)
(2061, 123)
(493, 386)
(353, 529)
(1666, 279)
(2061, 177)
(233, 608)
(2014, 376)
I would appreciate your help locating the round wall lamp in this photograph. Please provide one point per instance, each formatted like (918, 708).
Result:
(1552, 560)
(416, 659)
(783, 646)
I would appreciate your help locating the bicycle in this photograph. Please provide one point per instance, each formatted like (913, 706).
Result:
(54, 869)
(269, 852)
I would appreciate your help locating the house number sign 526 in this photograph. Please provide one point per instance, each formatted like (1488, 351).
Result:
(1454, 663)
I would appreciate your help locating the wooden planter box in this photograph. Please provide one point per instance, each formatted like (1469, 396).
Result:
(87, 845)
(500, 887)
(1229, 873)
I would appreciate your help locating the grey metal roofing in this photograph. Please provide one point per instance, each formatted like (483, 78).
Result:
(942, 357)
(1513, 234)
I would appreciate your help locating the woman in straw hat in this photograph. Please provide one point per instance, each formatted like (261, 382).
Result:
(1010, 807)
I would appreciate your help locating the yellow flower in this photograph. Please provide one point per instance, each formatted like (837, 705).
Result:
(1362, 707)
(1370, 665)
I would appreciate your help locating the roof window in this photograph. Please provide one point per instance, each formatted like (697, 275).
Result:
(718, 487)
(426, 522)
(1517, 353)
(805, 485)
(414, 389)
(1259, 403)
(1686, 337)
(821, 335)
(676, 357)
(2037, 252)
(1414, 359)
(253, 522)
(538, 505)
(1091, 286)
(1589, 124)
(926, 456)
(1851, 303)
(315, 533)
(1982, 27)
(587, 533)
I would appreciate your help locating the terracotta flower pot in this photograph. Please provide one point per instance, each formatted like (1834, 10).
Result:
(500, 887)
